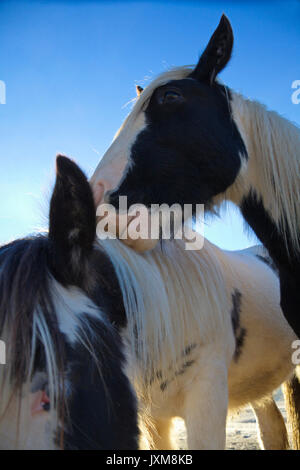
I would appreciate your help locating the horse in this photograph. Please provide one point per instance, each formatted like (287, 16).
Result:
(63, 385)
(207, 337)
(190, 139)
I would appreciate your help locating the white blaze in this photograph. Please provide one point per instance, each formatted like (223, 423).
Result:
(112, 167)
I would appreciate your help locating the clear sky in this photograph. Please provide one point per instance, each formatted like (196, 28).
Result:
(71, 66)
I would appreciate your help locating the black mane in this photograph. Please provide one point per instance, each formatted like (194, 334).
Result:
(100, 410)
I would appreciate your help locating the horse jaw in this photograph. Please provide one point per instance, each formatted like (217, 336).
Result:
(120, 225)
(140, 245)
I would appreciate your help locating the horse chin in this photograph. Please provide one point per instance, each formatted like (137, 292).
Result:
(118, 225)
(141, 245)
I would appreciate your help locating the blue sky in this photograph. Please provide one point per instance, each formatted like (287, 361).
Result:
(70, 67)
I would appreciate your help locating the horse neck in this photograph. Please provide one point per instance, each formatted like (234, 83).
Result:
(273, 169)
(190, 296)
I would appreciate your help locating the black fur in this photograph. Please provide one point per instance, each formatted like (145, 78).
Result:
(238, 330)
(217, 53)
(174, 369)
(268, 261)
(183, 368)
(164, 385)
(97, 406)
(72, 225)
(187, 351)
(284, 255)
(190, 150)
(24, 284)
(102, 409)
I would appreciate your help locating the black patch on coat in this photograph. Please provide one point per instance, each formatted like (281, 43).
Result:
(155, 376)
(282, 252)
(269, 262)
(164, 385)
(190, 149)
(187, 351)
(184, 367)
(238, 330)
(101, 404)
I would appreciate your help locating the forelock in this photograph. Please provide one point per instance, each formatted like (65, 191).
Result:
(176, 73)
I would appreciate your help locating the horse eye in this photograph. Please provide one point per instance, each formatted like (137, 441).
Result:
(170, 97)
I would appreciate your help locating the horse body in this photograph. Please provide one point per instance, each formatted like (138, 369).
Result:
(220, 349)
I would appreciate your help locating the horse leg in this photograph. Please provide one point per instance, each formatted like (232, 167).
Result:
(291, 391)
(160, 434)
(205, 410)
(155, 433)
(272, 433)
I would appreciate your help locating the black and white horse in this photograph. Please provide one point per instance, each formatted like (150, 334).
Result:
(190, 139)
(63, 385)
(206, 338)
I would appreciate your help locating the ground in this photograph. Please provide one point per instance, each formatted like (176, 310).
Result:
(241, 429)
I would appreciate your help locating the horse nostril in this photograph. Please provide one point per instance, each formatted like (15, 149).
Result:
(107, 196)
(98, 191)
(100, 188)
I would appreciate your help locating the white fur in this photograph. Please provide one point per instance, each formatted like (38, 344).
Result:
(115, 163)
(176, 298)
(18, 428)
(70, 304)
(23, 431)
(271, 427)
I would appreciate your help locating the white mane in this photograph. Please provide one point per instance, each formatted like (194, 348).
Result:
(273, 145)
(167, 292)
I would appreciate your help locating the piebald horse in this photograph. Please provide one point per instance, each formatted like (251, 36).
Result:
(197, 334)
(207, 338)
(63, 385)
(190, 139)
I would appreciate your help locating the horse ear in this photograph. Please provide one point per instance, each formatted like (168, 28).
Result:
(139, 90)
(72, 220)
(217, 53)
